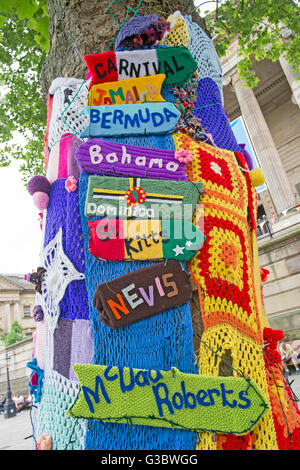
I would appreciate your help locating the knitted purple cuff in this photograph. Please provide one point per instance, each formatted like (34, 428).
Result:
(136, 25)
(38, 313)
(38, 183)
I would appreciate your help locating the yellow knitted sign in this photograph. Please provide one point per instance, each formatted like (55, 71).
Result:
(130, 91)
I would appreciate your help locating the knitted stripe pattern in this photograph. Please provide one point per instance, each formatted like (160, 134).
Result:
(160, 342)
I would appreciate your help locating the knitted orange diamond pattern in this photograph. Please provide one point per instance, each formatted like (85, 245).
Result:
(227, 275)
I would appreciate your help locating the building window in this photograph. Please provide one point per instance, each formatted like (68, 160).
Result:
(27, 311)
(28, 335)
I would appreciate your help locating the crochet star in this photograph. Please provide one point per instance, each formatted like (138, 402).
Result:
(178, 250)
(216, 168)
(59, 273)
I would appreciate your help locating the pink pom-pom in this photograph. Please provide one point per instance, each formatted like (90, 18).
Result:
(41, 200)
(71, 184)
(184, 156)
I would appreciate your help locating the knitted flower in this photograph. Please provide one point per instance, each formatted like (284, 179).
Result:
(184, 156)
(71, 184)
(34, 379)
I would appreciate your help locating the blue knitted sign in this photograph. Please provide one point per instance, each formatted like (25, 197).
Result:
(168, 398)
(130, 119)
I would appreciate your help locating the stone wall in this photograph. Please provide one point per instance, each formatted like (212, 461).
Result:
(281, 256)
(19, 354)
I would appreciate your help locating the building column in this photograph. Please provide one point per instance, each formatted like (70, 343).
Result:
(7, 317)
(276, 177)
(291, 78)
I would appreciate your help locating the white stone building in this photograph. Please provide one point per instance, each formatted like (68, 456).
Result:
(17, 299)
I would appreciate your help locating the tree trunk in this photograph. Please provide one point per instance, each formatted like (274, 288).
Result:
(79, 27)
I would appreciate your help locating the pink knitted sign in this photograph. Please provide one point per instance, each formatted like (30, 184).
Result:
(98, 156)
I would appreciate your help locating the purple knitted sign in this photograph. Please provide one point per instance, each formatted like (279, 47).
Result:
(101, 157)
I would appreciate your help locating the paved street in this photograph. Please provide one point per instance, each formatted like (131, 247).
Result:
(14, 430)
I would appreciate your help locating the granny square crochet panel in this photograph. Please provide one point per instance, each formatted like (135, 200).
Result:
(109, 323)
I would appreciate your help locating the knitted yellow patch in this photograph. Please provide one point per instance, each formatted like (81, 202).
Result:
(179, 34)
(130, 91)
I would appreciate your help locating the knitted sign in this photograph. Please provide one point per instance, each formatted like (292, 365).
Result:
(98, 156)
(133, 90)
(142, 293)
(144, 239)
(130, 119)
(143, 198)
(177, 63)
(168, 399)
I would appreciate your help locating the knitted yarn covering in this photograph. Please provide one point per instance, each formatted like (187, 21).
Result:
(63, 212)
(137, 25)
(179, 34)
(226, 271)
(162, 341)
(203, 51)
(58, 395)
(208, 107)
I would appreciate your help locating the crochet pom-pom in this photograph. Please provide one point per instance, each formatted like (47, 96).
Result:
(38, 183)
(41, 200)
(257, 177)
(264, 273)
(38, 313)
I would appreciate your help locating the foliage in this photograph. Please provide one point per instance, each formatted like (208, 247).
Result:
(24, 42)
(266, 29)
(14, 336)
(22, 110)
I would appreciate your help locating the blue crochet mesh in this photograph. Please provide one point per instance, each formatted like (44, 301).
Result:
(161, 342)
(203, 51)
(58, 396)
(63, 211)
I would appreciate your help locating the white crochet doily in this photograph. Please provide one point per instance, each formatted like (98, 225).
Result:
(59, 273)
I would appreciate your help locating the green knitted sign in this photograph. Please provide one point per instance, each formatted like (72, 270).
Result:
(143, 198)
(168, 399)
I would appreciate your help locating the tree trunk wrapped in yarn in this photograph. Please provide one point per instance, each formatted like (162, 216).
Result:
(225, 272)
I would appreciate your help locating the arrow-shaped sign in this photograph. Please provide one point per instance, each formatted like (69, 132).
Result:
(168, 399)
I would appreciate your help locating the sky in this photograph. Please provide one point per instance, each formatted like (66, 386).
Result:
(20, 233)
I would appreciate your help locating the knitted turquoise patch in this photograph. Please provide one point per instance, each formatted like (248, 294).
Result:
(130, 119)
(169, 399)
